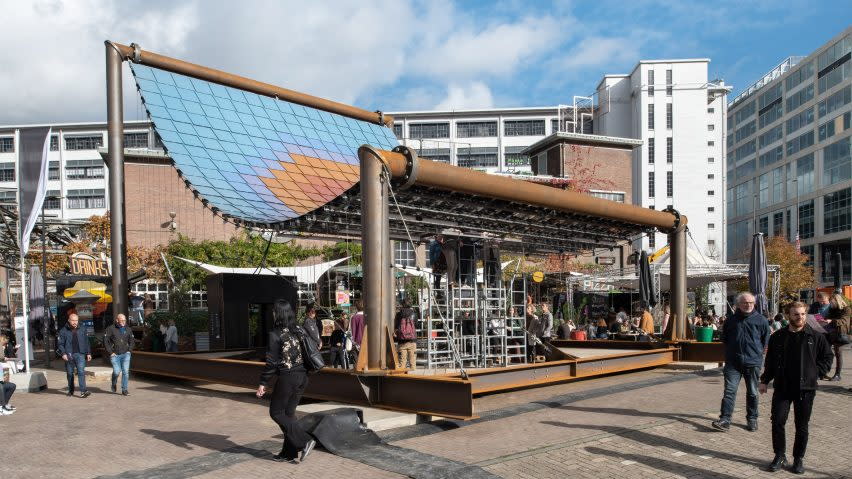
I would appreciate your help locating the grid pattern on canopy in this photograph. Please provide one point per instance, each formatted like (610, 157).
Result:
(254, 158)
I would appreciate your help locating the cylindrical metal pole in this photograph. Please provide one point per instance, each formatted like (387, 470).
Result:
(388, 283)
(677, 240)
(115, 143)
(44, 288)
(371, 253)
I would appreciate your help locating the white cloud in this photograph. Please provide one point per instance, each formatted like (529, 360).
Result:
(466, 97)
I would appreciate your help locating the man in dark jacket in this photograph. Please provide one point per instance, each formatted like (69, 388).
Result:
(797, 356)
(74, 348)
(745, 335)
(118, 342)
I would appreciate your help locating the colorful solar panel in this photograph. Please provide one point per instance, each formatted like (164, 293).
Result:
(254, 158)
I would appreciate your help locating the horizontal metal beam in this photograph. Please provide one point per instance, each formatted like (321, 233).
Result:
(701, 352)
(135, 54)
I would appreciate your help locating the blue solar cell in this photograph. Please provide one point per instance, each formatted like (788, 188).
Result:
(212, 112)
(152, 98)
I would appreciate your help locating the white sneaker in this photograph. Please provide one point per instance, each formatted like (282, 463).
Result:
(5, 412)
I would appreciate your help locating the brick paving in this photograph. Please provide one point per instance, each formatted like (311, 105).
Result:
(647, 424)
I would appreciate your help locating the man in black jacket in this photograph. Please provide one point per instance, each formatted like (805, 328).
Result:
(797, 356)
(745, 335)
(74, 348)
(118, 342)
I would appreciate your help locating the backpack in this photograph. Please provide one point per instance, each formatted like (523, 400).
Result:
(311, 355)
(406, 330)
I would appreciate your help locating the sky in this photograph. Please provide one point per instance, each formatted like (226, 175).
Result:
(394, 55)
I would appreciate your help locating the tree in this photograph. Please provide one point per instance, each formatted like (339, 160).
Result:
(583, 174)
(795, 272)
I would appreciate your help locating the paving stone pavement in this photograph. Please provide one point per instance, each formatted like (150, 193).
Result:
(647, 424)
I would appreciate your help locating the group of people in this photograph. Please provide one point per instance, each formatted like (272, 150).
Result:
(641, 323)
(793, 358)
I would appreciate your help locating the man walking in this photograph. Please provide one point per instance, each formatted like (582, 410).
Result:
(745, 335)
(118, 342)
(74, 348)
(797, 356)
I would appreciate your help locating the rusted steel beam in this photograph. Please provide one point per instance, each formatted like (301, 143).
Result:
(135, 54)
(701, 352)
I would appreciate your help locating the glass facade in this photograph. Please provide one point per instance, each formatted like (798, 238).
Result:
(837, 212)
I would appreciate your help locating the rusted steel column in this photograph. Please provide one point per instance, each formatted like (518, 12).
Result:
(374, 241)
(677, 242)
(137, 55)
(115, 145)
(387, 272)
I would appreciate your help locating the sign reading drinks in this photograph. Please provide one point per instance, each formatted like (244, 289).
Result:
(86, 264)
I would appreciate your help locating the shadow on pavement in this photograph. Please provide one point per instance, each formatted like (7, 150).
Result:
(215, 442)
(661, 464)
(679, 417)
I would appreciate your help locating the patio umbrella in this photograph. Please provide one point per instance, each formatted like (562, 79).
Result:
(38, 312)
(757, 273)
(838, 273)
(646, 282)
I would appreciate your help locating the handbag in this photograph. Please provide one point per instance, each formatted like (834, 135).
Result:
(836, 337)
(310, 351)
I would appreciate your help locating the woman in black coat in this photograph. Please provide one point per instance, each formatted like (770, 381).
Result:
(284, 359)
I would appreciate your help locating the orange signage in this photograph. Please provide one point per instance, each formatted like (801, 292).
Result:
(87, 265)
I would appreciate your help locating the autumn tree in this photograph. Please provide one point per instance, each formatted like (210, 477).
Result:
(795, 272)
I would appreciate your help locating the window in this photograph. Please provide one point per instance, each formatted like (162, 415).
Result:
(711, 127)
(763, 190)
(669, 150)
(397, 130)
(711, 192)
(772, 156)
(809, 252)
(803, 74)
(763, 225)
(650, 150)
(669, 184)
(51, 200)
(8, 197)
(771, 136)
(770, 114)
(828, 250)
(711, 160)
(836, 101)
(608, 195)
(668, 82)
(650, 117)
(197, 298)
(711, 226)
(523, 127)
(541, 163)
(800, 120)
(778, 223)
(800, 98)
(837, 162)
(800, 143)
(7, 145)
(476, 129)
(743, 201)
(711, 176)
(837, 211)
(651, 185)
(778, 185)
(84, 169)
(835, 126)
(477, 157)
(403, 253)
(745, 169)
(669, 116)
(805, 173)
(711, 110)
(85, 199)
(744, 113)
(53, 170)
(512, 156)
(650, 82)
(833, 65)
(429, 130)
(54, 143)
(806, 219)
(435, 154)
(84, 142)
(711, 143)
(745, 131)
(7, 172)
(158, 292)
(136, 140)
(652, 240)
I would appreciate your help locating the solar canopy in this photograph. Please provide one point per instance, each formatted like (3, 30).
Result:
(254, 158)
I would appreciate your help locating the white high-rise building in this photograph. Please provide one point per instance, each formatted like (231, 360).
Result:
(679, 114)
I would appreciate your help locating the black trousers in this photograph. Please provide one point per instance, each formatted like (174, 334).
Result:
(6, 391)
(337, 357)
(802, 407)
(288, 391)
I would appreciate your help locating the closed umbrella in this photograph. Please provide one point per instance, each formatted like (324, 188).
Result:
(838, 273)
(38, 312)
(646, 282)
(757, 273)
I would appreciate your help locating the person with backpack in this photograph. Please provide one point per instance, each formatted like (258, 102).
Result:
(285, 359)
(405, 335)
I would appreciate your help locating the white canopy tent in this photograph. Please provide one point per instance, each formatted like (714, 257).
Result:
(304, 274)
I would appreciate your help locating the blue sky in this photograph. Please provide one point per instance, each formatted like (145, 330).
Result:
(395, 54)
